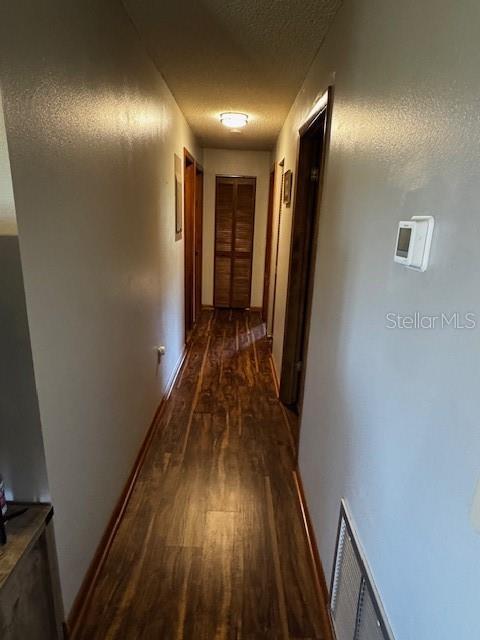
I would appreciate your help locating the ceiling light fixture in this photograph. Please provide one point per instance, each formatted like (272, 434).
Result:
(233, 120)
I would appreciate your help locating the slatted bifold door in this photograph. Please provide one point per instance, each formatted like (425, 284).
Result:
(234, 225)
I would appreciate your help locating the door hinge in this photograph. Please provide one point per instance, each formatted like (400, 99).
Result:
(314, 174)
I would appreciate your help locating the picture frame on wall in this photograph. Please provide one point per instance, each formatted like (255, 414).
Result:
(178, 197)
(287, 188)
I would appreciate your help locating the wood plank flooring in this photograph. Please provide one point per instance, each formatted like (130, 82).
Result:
(211, 546)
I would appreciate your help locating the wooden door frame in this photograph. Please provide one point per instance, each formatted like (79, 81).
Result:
(268, 246)
(314, 138)
(188, 242)
(233, 177)
(198, 241)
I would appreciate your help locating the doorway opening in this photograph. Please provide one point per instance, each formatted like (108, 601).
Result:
(234, 229)
(308, 192)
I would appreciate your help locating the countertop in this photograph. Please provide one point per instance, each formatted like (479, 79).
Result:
(22, 533)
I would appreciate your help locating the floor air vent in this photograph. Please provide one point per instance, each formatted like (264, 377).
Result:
(356, 610)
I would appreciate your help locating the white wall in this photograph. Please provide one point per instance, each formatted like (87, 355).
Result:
(391, 417)
(92, 130)
(237, 163)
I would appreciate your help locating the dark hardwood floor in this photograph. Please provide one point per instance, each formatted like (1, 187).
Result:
(211, 546)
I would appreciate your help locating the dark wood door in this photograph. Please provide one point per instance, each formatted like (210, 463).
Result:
(305, 219)
(234, 227)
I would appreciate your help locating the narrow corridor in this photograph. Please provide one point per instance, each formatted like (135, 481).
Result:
(212, 544)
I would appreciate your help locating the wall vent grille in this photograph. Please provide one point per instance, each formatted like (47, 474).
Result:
(356, 609)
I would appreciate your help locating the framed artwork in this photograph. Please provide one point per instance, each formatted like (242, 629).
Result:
(178, 197)
(287, 188)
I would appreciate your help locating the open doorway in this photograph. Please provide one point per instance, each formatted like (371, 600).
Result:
(308, 192)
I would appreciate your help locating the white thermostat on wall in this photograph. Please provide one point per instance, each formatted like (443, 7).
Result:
(414, 239)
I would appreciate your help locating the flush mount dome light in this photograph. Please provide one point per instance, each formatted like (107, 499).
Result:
(233, 120)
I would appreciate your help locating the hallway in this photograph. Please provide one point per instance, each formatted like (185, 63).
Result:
(211, 213)
(212, 543)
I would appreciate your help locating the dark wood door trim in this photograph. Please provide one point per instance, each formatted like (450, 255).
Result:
(306, 213)
(268, 246)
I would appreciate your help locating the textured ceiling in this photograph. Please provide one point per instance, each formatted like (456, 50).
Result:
(233, 55)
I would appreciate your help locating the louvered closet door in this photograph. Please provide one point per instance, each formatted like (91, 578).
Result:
(234, 226)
